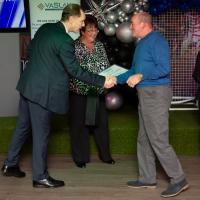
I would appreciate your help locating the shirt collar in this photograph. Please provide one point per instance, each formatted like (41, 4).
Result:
(65, 27)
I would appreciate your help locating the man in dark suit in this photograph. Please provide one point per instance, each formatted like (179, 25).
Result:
(43, 88)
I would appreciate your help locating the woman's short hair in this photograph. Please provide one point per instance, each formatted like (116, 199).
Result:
(89, 20)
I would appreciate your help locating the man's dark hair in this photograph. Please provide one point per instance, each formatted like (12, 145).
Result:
(71, 10)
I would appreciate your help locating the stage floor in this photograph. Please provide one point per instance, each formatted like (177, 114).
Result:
(98, 181)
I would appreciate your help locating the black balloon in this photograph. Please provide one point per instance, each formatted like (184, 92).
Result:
(112, 41)
(112, 59)
(125, 64)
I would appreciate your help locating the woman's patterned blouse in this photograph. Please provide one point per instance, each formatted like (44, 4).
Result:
(95, 62)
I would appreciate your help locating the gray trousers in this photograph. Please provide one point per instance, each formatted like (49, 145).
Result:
(153, 136)
(31, 116)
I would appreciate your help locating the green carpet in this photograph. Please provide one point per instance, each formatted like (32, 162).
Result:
(184, 133)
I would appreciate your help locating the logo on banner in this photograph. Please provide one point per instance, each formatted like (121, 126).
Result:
(51, 6)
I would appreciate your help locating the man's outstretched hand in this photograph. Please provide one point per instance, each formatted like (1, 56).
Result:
(134, 80)
(110, 81)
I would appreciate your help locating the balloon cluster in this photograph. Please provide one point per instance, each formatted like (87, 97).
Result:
(157, 7)
(114, 16)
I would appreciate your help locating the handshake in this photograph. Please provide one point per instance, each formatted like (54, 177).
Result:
(110, 81)
(132, 81)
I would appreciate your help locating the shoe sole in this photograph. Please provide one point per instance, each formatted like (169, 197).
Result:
(45, 186)
(41, 186)
(172, 195)
(11, 175)
(138, 187)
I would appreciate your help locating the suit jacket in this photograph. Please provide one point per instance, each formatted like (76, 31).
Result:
(45, 79)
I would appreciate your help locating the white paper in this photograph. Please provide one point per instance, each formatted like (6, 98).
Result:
(113, 70)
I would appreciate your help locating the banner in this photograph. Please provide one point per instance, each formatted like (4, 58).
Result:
(41, 12)
(47, 11)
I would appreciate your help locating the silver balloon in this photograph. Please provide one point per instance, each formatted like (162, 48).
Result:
(123, 32)
(127, 6)
(109, 29)
(121, 19)
(119, 11)
(111, 3)
(140, 10)
(122, 14)
(113, 101)
(127, 18)
(136, 4)
(101, 25)
(136, 7)
(113, 14)
(111, 17)
(116, 24)
(140, 3)
(100, 10)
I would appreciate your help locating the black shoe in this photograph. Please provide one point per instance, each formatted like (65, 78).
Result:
(111, 161)
(12, 171)
(175, 189)
(48, 183)
(81, 164)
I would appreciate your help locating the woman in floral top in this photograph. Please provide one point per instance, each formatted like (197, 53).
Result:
(87, 103)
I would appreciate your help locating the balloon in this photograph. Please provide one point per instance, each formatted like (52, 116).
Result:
(113, 101)
(111, 17)
(137, 8)
(101, 25)
(112, 41)
(121, 19)
(116, 24)
(124, 33)
(126, 18)
(111, 3)
(122, 54)
(122, 14)
(109, 29)
(112, 59)
(119, 11)
(113, 13)
(125, 64)
(116, 49)
(127, 6)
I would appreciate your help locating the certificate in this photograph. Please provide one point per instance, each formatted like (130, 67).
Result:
(113, 70)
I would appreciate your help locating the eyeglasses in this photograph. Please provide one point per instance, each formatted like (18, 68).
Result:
(92, 30)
